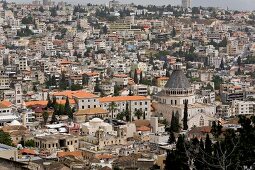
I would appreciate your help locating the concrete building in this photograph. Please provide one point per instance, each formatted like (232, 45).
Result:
(55, 142)
(8, 152)
(186, 3)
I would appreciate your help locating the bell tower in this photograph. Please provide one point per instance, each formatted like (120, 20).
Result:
(18, 95)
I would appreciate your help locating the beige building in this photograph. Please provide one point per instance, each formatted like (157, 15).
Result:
(8, 152)
(4, 82)
(161, 81)
(54, 142)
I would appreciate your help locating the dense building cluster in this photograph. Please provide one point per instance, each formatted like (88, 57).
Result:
(125, 86)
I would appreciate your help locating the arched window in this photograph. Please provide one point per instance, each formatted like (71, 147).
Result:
(201, 121)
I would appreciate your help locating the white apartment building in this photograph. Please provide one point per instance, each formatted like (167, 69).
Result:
(133, 103)
(140, 90)
(243, 107)
(120, 79)
(86, 100)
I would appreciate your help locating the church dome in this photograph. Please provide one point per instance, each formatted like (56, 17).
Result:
(177, 79)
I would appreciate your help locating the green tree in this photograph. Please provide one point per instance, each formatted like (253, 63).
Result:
(208, 147)
(121, 115)
(29, 143)
(53, 12)
(5, 138)
(63, 82)
(41, 9)
(222, 64)
(27, 20)
(53, 81)
(216, 129)
(217, 82)
(53, 117)
(116, 90)
(239, 61)
(45, 117)
(173, 32)
(138, 114)
(198, 163)
(112, 107)
(54, 102)
(175, 126)
(68, 109)
(49, 104)
(136, 77)
(171, 139)
(185, 115)
(130, 92)
(97, 86)
(127, 112)
(61, 109)
(170, 162)
(141, 77)
(75, 87)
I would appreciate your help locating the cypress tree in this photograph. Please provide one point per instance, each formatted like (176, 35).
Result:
(135, 77)
(181, 157)
(130, 92)
(222, 64)
(97, 88)
(216, 129)
(68, 109)
(49, 104)
(170, 162)
(53, 117)
(185, 116)
(61, 109)
(171, 139)
(127, 113)
(53, 81)
(173, 32)
(174, 126)
(198, 160)
(62, 82)
(141, 77)
(208, 148)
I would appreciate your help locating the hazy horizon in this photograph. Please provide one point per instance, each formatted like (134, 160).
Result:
(231, 4)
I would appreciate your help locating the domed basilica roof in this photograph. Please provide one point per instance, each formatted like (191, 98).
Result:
(178, 80)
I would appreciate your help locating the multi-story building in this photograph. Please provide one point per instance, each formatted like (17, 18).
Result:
(186, 3)
(120, 80)
(55, 142)
(161, 81)
(140, 90)
(243, 107)
(133, 103)
(4, 82)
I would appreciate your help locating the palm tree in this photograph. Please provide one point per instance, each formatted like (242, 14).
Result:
(112, 108)
(138, 114)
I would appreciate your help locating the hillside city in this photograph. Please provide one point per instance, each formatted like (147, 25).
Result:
(126, 87)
